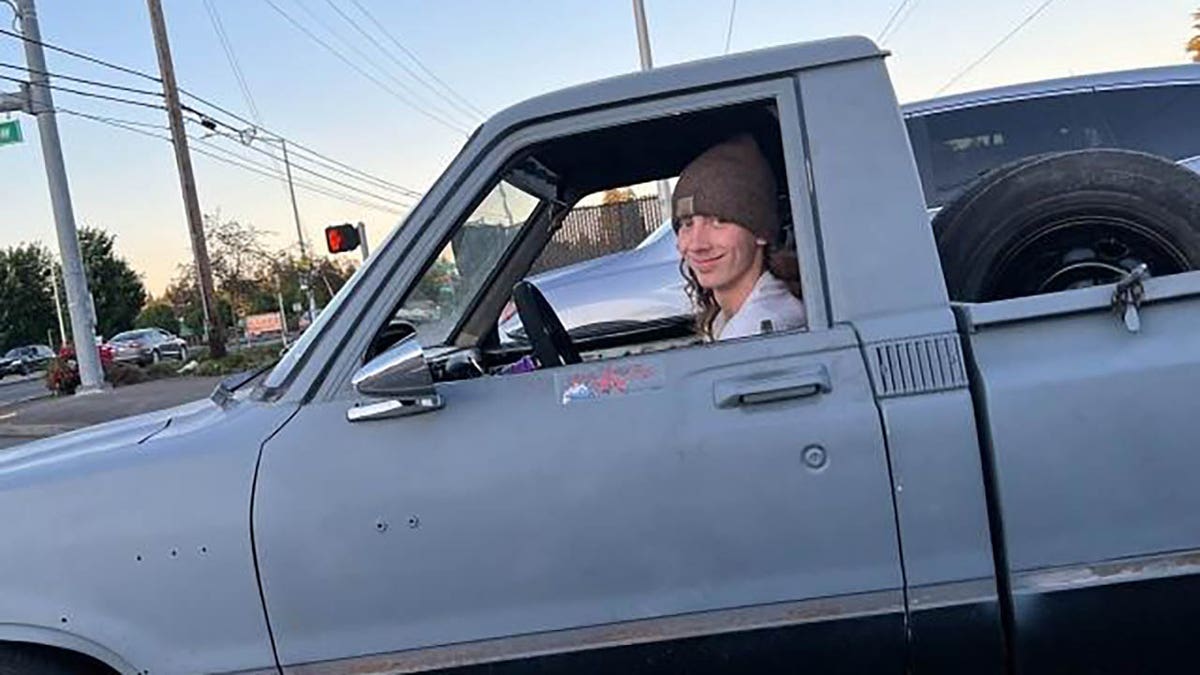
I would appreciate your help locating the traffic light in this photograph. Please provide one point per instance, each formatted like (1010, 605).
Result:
(341, 238)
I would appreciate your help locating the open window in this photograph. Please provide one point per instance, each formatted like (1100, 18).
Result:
(577, 219)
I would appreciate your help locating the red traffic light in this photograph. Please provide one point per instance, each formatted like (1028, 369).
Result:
(341, 238)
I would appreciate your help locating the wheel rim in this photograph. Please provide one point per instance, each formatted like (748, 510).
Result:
(1079, 251)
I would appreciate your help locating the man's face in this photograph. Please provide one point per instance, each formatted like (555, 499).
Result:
(721, 254)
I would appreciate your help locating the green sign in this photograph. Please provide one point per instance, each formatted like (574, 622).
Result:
(10, 132)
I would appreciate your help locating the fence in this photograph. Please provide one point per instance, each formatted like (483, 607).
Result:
(587, 232)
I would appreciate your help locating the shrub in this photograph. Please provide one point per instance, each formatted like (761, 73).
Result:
(62, 376)
(122, 374)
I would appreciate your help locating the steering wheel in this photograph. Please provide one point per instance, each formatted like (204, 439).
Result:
(551, 344)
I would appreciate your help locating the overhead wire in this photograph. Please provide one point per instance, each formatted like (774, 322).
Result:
(104, 97)
(417, 99)
(471, 116)
(355, 67)
(82, 80)
(891, 20)
(420, 64)
(245, 164)
(199, 99)
(79, 55)
(729, 31)
(231, 57)
(1000, 43)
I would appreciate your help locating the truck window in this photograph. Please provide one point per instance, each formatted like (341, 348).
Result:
(954, 148)
(593, 248)
(1158, 120)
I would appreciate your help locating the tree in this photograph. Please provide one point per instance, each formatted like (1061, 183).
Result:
(26, 296)
(116, 289)
(617, 195)
(238, 260)
(158, 314)
(1193, 44)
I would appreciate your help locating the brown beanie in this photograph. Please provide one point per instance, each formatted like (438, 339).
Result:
(733, 182)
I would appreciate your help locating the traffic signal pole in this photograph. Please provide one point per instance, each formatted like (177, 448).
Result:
(304, 259)
(40, 104)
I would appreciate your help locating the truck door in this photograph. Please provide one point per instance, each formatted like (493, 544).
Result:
(716, 507)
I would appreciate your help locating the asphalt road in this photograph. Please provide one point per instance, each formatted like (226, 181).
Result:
(15, 389)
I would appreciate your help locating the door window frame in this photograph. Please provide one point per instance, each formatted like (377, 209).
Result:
(334, 384)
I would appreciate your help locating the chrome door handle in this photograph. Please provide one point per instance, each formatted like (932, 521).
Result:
(740, 392)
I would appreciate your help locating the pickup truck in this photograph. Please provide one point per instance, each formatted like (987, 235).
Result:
(911, 484)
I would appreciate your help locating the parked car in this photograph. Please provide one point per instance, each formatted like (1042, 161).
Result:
(912, 484)
(25, 360)
(147, 345)
(955, 139)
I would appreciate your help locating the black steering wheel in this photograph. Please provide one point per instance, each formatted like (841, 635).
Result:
(551, 344)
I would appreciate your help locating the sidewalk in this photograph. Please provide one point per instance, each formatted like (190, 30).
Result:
(31, 420)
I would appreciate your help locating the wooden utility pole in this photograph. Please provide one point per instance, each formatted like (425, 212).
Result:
(216, 328)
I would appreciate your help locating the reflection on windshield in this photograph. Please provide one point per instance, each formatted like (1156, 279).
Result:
(446, 289)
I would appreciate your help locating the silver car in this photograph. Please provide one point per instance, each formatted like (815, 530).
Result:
(954, 139)
(147, 345)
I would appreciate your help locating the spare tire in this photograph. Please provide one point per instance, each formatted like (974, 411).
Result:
(1068, 220)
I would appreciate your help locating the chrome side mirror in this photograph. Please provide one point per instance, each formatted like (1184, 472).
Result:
(402, 376)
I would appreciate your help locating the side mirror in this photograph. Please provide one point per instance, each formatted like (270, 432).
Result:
(402, 376)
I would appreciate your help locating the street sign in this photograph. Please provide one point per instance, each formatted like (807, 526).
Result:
(10, 132)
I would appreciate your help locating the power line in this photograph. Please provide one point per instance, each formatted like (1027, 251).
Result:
(407, 191)
(354, 66)
(891, 20)
(82, 80)
(912, 7)
(729, 31)
(309, 171)
(78, 55)
(416, 60)
(215, 19)
(471, 116)
(244, 164)
(416, 96)
(77, 92)
(101, 118)
(1016, 29)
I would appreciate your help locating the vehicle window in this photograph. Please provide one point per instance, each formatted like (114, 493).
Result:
(1158, 120)
(124, 337)
(954, 148)
(601, 224)
(442, 295)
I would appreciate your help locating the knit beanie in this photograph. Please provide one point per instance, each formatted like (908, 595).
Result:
(731, 181)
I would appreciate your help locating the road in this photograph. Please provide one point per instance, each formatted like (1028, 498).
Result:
(14, 389)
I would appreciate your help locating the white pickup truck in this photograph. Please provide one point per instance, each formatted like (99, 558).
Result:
(911, 484)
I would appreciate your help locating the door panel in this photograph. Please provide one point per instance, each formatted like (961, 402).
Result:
(595, 494)
(1093, 436)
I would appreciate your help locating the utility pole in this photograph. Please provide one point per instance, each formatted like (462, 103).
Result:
(216, 329)
(643, 36)
(304, 259)
(36, 100)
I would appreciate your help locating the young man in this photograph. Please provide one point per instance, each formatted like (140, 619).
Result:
(739, 277)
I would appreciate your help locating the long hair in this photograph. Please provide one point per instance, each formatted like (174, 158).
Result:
(777, 260)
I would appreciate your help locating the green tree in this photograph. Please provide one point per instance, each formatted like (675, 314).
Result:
(26, 296)
(116, 289)
(157, 314)
(183, 295)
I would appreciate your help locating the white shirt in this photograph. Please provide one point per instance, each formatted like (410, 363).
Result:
(769, 300)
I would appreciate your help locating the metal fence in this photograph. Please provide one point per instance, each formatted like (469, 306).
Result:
(592, 231)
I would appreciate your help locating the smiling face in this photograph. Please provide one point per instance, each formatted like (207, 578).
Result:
(725, 257)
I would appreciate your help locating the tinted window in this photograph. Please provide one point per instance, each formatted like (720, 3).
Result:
(954, 148)
(1158, 120)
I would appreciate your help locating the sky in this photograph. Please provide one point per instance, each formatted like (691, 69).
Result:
(489, 55)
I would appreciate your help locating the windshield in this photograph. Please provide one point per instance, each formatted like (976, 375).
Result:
(14, 353)
(128, 335)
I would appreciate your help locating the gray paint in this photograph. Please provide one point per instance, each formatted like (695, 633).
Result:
(868, 196)
(534, 516)
(1092, 426)
(83, 506)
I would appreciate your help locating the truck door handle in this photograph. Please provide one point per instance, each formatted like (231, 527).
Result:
(740, 392)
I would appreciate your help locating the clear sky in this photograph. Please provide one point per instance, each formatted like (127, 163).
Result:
(491, 53)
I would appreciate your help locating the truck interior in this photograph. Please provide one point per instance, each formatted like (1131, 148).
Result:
(557, 175)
